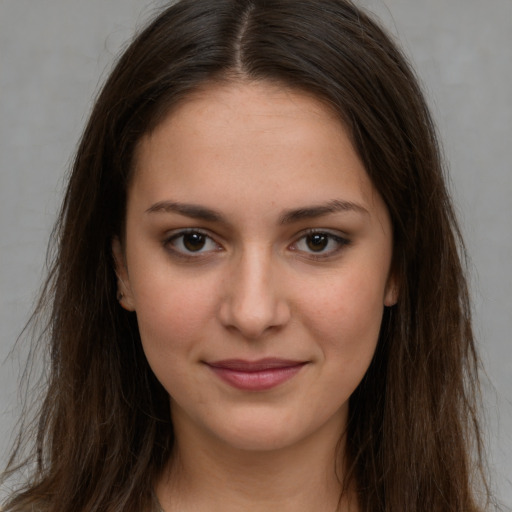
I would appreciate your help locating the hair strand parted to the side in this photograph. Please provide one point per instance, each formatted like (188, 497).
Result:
(106, 431)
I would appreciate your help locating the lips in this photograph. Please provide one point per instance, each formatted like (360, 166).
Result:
(258, 375)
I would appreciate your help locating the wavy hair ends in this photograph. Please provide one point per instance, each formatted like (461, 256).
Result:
(105, 430)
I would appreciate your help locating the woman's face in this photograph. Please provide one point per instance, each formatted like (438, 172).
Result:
(257, 259)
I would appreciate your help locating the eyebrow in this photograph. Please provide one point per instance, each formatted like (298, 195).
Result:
(288, 217)
(311, 212)
(188, 210)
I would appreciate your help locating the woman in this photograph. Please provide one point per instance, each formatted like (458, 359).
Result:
(258, 301)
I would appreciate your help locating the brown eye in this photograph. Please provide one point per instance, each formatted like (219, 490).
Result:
(191, 243)
(317, 242)
(320, 244)
(194, 241)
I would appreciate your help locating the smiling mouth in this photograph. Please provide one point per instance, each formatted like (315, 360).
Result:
(256, 375)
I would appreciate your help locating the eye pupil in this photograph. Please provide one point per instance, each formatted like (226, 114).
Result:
(317, 242)
(194, 241)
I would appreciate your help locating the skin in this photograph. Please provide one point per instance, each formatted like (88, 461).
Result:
(252, 282)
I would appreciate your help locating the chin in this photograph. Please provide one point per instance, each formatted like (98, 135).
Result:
(260, 439)
(260, 432)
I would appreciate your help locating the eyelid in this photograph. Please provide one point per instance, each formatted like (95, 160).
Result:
(341, 239)
(190, 255)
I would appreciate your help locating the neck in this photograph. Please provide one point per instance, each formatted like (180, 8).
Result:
(208, 475)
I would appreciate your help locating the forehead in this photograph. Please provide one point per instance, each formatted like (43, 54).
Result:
(249, 137)
(225, 101)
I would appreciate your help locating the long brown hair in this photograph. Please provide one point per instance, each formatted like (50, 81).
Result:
(103, 430)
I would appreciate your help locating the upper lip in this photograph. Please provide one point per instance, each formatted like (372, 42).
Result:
(242, 365)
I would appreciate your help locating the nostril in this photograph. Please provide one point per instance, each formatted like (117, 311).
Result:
(252, 302)
(252, 319)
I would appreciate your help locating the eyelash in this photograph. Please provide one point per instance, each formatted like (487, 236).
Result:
(340, 242)
(184, 253)
(170, 244)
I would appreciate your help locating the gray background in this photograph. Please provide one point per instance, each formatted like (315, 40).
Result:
(55, 53)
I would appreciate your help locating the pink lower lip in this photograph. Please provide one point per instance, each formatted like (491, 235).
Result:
(258, 376)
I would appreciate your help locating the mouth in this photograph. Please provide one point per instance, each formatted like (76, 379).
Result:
(258, 375)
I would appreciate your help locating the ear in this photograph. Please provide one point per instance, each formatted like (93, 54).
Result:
(124, 292)
(392, 290)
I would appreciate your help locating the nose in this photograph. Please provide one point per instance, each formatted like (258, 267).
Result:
(253, 303)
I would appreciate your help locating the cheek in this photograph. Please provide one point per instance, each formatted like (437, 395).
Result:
(174, 321)
(345, 318)
(173, 314)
